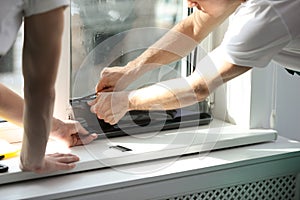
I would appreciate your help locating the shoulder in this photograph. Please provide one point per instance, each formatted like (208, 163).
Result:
(256, 23)
(255, 34)
(269, 13)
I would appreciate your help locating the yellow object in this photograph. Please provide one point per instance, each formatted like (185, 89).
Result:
(10, 154)
(8, 150)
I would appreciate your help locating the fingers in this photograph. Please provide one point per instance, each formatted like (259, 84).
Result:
(110, 107)
(64, 157)
(57, 162)
(78, 139)
(85, 139)
(80, 129)
(98, 104)
(102, 111)
(65, 162)
(102, 84)
(107, 89)
(104, 72)
(77, 128)
(71, 133)
(111, 118)
(80, 135)
(191, 4)
(108, 79)
(93, 102)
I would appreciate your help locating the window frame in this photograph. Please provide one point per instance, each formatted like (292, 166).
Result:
(230, 93)
(237, 90)
(236, 93)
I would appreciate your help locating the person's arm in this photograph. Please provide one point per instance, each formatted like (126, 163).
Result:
(171, 94)
(11, 106)
(41, 53)
(68, 131)
(176, 44)
(181, 92)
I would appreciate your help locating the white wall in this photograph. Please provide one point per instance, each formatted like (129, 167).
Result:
(61, 109)
(275, 89)
(288, 105)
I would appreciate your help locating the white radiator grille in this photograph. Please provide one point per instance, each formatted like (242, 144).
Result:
(281, 188)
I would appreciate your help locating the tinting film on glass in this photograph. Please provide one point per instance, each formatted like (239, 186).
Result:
(107, 33)
(110, 33)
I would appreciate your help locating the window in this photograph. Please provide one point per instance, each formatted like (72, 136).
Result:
(94, 22)
(11, 67)
(113, 32)
(98, 27)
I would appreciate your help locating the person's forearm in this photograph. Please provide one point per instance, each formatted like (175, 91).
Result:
(173, 46)
(11, 108)
(37, 120)
(171, 94)
(181, 92)
(38, 109)
(40, 65)
(177, 43)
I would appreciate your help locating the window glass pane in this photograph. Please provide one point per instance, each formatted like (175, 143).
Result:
(11, 66)
(107, 33)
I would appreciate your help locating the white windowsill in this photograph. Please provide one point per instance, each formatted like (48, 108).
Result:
(217, 135)
(111, 180)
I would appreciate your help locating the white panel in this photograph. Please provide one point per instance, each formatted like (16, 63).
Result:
(276, 91)
(262, 96)
(151, 146)
(62, 85)
(288, 105)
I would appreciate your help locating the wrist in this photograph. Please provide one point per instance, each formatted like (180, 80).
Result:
(135, 69)
(55, 124)
(131, 101)
(132, 69)
(34, 166)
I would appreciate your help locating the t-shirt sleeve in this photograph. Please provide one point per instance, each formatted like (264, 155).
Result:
(255, 34)
(40, 6)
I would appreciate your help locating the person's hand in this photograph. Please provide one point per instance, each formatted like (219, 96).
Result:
(110, 106)
(54, 162)
(113, 79)
(71, 132)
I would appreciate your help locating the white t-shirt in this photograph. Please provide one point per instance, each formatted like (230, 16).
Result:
(12, 13)
(264, 30)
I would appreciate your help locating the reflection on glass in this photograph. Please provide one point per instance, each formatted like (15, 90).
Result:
(107, 33)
